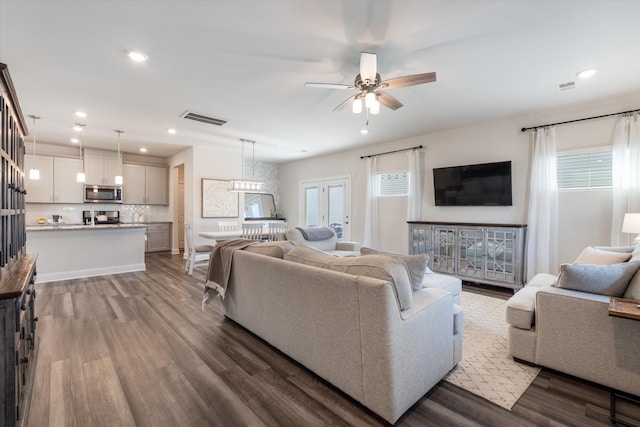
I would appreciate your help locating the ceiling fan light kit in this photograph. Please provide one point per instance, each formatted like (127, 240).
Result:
(369, 83)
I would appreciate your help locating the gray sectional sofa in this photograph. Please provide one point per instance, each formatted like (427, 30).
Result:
(562, 322)
(350, 329)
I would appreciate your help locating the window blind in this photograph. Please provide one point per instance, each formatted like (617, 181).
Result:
(584, 170)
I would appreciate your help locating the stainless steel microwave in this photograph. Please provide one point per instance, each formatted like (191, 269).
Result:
(102, 194)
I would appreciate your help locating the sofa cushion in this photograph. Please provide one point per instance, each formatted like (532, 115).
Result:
(611, 280)
(295, 236)
(521, 307)
(377, 266)
(458, 318)
(274, 249)
(416, 265)
(590, 255)
(541, 280)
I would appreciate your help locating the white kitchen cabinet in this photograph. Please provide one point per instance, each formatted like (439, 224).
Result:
(57, 183)
(101, 167)
(40, 190)
(158, 237)
(144, 184)
(66, 188)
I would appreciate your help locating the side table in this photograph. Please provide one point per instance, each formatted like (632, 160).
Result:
(627, 309)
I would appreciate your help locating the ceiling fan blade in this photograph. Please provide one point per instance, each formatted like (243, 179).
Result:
(329, 85)
(388, 100)
(345, 102)
(368, 66)
(412, 80)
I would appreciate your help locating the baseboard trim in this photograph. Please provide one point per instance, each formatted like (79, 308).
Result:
(79, 274)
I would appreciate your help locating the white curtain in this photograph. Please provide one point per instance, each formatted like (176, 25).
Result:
(625, 176)
(414, 199)
(371, 234)
(542, 222)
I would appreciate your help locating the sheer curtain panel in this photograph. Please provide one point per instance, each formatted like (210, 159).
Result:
(625, 158)
(371, 233)
(414, 198)
(542, 223)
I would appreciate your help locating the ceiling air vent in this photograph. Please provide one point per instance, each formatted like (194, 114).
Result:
(202, 118)
(567, 85)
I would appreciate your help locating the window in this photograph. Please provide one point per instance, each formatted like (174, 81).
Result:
(584, 169)
(393, 183)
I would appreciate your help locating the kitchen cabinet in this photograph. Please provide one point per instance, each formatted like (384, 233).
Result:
(57, 183)
(483, 253)
(158, 237)
(39, 190)
(101, 167)
(144, 184)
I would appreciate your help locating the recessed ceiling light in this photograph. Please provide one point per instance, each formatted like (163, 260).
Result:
(74, 140)
(585, 74)
(364, 131)
(136, 56)
(81, 114)
(172, 131)
(78, 127)
(143, 150)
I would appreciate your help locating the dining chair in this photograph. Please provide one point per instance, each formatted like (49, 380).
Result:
(196, 254)
(252, 230)
(276, 231)
(227, 226)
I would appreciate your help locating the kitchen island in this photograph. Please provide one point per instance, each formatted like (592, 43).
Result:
(73, 251)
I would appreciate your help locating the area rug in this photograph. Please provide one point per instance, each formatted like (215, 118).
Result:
(486, 369)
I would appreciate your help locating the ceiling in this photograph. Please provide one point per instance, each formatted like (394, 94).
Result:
(247, 61)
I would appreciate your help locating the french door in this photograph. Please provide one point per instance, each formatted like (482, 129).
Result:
(327, 203)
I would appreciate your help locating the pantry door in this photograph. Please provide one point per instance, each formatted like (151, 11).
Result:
(327, 203)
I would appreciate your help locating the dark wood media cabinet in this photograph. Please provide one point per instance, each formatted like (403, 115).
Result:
(19, 347)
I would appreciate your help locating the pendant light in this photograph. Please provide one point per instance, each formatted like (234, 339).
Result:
(118, 179)
(78, 127)
(34, 173)
(244, 185)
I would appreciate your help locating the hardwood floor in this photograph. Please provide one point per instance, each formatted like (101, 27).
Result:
(137, 350)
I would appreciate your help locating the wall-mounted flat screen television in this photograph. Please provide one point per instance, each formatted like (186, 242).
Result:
(486, 184)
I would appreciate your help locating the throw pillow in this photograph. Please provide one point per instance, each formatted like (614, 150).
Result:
(274, 249)
(416, 265)
(590, 255)
(377, 266)
(611, 280)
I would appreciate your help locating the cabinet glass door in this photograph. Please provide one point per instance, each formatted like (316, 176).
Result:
(420, 238)
(500, 259)
(470, 252)
(443, 254)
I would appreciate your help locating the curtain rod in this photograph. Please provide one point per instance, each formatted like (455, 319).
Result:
(580, 120)
(391, 152)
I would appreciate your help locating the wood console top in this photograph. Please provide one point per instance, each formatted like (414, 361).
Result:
(627, 308)
(13, 282)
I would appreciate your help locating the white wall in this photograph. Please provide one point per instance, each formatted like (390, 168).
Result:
(584, 216)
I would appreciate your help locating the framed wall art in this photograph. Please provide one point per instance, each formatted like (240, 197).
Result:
(217, 202)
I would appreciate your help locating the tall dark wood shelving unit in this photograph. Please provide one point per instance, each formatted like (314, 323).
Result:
(18, 346)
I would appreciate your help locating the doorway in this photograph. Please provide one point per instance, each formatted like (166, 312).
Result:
(327, 202)
(179, 207)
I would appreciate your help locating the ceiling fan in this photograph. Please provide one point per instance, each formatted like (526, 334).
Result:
(369, 84)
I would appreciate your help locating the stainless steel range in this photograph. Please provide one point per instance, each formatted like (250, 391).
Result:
(101, 217)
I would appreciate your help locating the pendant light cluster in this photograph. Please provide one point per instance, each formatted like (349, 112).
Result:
(34, 173)
(244, 185)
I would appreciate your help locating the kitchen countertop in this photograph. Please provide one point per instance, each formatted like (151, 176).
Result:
(48, 227)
